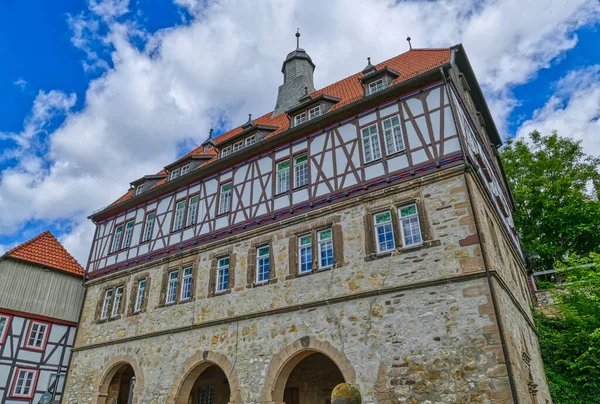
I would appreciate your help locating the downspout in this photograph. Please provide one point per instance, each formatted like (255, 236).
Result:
(499, 322)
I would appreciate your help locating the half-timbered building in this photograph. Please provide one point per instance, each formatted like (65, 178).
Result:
(41, 295)
(361, 232)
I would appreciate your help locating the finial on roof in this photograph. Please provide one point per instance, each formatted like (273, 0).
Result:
(210, 132)
(409, 44)
(368, 67)
(249, 119)
(305, 90)
(297, 38)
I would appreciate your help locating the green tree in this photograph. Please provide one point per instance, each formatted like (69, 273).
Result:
(556, 188)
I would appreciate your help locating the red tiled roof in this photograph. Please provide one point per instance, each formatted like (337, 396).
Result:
(46, 250)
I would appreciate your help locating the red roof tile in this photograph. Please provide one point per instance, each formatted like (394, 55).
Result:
(46, 250)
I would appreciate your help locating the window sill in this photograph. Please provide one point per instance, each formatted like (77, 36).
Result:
(219, 293)
(282, 193)
(32, 349)
(219, 215)
(401, 250)
(258, 284)
(395, 154)
(373, 162)
(175, 303)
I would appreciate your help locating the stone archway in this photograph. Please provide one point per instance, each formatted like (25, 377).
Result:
(283, 364)
(122, 379)
(187, 381)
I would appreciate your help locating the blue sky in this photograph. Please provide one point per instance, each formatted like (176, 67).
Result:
(95, 94)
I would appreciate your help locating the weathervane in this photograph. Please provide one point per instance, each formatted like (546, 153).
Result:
(297, 38)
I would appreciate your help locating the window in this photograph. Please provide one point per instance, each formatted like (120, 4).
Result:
(225, 198)
(384, 231)
(172, 287)
(25, 380)
(305, 253)
(116, 307)
(4, 324)
(301, 118)
(179, 214)
(237, 146)
(128, 234)
(192, 215)
(222, 274)
(325, 238)
(410, 226)
(376, 86)
(117, 238)
(36, 338)
(139, 298)
(226, 151)
(185, 169)
(283, 177)
(250, 140)
(393, 135)
(148, 226)
(301, 171)
(106, 304)
(207, 395)
(174, 174)
(186, 284)
(263, 264)
(139, 189)
(314, 112)
(370, 139)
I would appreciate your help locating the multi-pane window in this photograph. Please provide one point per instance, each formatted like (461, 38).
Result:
(384, 231)
(117, 238)
(139, 189)
(263, 264)
(186, 284)
(393, 135)
(106, 304)
(409, 225)
(172, 287)
(174, 174)
(237, 146)
(250, 140)
(325, 240)
(207, 395)
(225, 198)
(185, 169)
(305, 253)
(370, 140)
(24, 384)
(226, 151)
(314, 112)
(376, 85)
(37, 335)
(128, 234)
(179, 215)
(222, 274)
(300, 171)
(301, 118)
(148, 226)
(4, 321)
(139, 298)
(192, 215)
(283, 176)
(116, 307)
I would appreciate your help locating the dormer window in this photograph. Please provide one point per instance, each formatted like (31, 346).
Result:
(250, 140)
(307, 115)
(314, 112)
(139, 189)
(301, 118)
(376, 86)
(226, 151)
(185, 169)
(206, 148)
(237, 146)
(174, 174)
(375, 80)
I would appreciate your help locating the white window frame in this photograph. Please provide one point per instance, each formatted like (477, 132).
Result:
(206, 148)
(409, 218)
(185, 169)
(222, 275)
(314, 112)
(237, 146)
(389, 228)
(392, 136)
(370, 143)
(108, 294)
(263, 260)
(321, 245)
(376, 86)
(29, 382)
(5, 326)
(178, 220)
(139, 189)
(225, 198)
(118, 237)
(250, 140)
(128, 233)
(302, 248)
(140, 294)
(282, 177)
(192, 213)
(186, 284)
(117, 301)
(149, 226)
(301, 171)
(174, 174)
(172, 283)
(301, 118)
(38, 334)
(226, 151)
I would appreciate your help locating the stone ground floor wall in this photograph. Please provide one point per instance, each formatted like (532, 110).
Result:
(436, 343)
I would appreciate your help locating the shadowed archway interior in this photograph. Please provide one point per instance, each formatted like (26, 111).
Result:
(206, 384)
(118, 386)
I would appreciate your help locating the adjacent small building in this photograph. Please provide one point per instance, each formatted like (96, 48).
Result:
(41, 294)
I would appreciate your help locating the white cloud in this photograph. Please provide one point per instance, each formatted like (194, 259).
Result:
(225, 64)
(22, 84)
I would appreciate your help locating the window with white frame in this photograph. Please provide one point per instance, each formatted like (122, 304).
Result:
(384, 231)
(263, 264)
(186, 284)
(179, 215)
(106, 304)
(174, 174)
(117, 238)
(222, 274)
(300, 171)
(149, 226)
(370, 140)
(225, 198)
(301, 118)
(140, 294)
(185, 169)
(393, 135)
(36, 339)
(24, 386)
(128, 234)
(237, 146)
(192, 214)
(206, 148)
(139, 189)
(116, 307)
(305, 253)
(409, 225)
(4, 323)
(226, 151)
(250, 140)
(314, 112)
(325, 243)
(376, 86)
(172, 287)
(283, 177)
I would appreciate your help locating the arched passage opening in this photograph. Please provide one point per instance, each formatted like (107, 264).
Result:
(118, 386)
